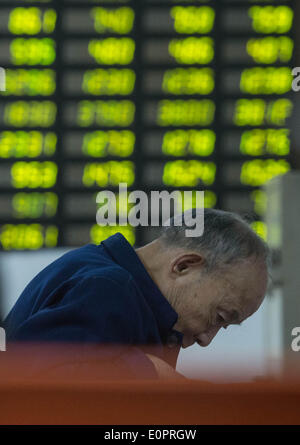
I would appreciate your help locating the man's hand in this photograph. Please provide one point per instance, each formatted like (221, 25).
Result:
(163, 369)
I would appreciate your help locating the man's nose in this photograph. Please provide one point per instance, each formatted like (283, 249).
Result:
(207, 336)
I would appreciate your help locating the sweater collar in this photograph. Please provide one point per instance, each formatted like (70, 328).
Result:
(124, 254)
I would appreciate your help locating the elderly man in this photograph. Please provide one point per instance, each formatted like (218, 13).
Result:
(170, 293)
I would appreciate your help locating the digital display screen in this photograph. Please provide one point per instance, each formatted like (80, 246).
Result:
(160, 95)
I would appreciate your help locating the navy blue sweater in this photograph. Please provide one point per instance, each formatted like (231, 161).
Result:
(98, 294)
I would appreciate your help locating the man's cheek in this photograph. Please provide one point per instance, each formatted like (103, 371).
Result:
(187, 341)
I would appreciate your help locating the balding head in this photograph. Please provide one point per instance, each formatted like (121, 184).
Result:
(226, 240)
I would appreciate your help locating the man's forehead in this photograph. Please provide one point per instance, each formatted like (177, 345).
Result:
(250, 285)
(239, 309)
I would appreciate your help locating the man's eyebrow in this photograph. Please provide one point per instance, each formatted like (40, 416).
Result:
(234, 317)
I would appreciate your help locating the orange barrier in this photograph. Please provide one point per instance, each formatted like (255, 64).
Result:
(91, 397)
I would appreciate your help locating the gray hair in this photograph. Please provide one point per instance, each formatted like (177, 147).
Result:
(227, 239)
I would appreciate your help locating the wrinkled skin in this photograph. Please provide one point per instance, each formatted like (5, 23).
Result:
(205, 302)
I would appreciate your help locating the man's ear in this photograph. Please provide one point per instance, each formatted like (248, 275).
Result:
(184, 263)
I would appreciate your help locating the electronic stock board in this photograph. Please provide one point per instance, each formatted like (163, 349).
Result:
(160, 95)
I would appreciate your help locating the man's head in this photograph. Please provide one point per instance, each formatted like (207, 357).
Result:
(211, 281)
